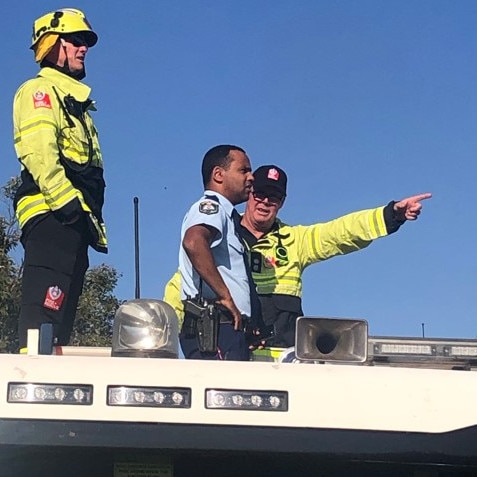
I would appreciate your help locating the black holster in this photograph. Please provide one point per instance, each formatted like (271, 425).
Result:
(201, 320)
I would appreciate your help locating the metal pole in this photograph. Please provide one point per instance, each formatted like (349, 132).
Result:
(422, 324)
(137, 293)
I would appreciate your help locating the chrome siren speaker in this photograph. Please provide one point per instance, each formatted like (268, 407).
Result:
(331, 339)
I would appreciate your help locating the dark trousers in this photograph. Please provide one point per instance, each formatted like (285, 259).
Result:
(232, 345)
(56, 260)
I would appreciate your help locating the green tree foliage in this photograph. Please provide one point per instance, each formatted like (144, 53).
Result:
(9, 291)
(97, 305)
(10, 273)
(96, 309)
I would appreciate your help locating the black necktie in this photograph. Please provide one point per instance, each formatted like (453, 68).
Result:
(254, 300)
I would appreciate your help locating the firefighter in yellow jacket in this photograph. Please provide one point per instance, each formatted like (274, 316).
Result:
(279, 253)
(59, 202)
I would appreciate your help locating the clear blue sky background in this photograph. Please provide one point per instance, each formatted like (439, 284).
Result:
(361, 102)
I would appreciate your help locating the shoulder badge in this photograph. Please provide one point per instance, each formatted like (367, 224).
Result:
(41, 100)
(208, 207)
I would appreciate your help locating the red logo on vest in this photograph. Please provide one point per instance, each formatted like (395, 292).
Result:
(41, 100)
(54, 298)
(270, 262)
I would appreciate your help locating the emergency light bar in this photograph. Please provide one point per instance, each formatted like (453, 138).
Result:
(76, 394)
(246, 400)
(139, 396)
(438, 349)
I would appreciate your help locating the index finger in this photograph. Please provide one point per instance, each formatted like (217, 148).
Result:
(419, 197)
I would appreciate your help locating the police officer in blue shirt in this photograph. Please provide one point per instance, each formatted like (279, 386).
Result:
(211, 256)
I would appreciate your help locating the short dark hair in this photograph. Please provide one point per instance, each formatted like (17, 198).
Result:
(217, 156)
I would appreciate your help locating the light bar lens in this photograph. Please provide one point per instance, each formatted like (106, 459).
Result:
(149, 396)
(467, 351)
(39, 393)
(395, 348)
(246, 400)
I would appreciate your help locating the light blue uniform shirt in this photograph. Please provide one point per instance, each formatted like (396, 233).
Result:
(215, 210)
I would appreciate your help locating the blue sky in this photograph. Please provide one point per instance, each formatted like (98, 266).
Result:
(361, 102)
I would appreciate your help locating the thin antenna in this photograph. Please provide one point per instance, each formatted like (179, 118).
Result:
(137, 293)
(423, 335)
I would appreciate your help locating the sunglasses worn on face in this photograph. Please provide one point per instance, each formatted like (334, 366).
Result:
(272, 199)
(76, 40)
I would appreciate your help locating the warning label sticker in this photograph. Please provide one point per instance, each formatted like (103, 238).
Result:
(134, 469)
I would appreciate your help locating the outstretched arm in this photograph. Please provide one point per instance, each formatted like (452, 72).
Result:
(410, 208)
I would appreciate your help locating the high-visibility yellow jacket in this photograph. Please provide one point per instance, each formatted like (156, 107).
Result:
(172, 295)
(57, 145)
(279, 257)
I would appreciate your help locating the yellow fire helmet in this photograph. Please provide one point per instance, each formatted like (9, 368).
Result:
(65, 20)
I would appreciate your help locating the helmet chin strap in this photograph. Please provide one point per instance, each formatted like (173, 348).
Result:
(66, 67)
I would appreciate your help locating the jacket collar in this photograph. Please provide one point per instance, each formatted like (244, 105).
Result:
(67, 84)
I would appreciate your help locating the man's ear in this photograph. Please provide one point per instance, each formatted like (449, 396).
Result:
(217, 174)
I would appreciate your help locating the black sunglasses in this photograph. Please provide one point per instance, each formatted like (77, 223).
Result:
(272, 198)
(76, 40)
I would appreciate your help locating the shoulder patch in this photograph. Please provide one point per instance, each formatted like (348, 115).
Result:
(208, 207)
(41, 100)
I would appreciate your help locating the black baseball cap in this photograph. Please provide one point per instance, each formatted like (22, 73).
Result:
(270, 179)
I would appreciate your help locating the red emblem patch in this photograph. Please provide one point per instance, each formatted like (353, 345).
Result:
(41, 100)
(273, 174)
(270, 262)
(54, 298)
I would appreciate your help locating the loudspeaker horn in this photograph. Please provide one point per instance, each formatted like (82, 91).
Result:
(331, 339)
